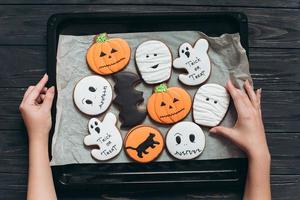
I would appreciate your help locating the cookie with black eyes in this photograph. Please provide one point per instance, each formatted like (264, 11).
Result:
(92, 95)
(185, 140)
(195, 60)
(210, 104)
(106, 136)
(154, 61)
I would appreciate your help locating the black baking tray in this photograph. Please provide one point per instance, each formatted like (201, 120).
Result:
(225, 173)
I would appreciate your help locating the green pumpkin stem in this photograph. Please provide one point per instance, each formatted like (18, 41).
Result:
(102, 37)
(161, 88)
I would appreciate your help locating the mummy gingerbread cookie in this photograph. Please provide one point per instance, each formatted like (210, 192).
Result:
(92, 95)
(195, 61)
(108, 55)
(168, 105)
(144, 143)
(185, 140)
(106, 136)
(154, 61)
(210, 105)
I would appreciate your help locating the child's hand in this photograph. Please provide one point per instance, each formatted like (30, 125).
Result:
(36, 110)
(248, 132)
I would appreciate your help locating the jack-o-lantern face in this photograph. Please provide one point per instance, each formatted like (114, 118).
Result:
(169, 105)
(107, 56)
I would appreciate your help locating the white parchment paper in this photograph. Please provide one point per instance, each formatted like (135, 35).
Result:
(228, 60)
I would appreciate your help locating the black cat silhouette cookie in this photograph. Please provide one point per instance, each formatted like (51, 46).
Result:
(144, 143)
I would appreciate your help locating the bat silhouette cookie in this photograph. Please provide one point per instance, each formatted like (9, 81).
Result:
(128, 99)
(144, 143)
(195, 60)
(106, 136)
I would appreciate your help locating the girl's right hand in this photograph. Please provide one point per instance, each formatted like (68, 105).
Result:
(36, 110)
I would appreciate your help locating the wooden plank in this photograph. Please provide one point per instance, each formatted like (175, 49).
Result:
(281, 110)
(254, 3)
(13, 195)
(284, 148)
(29, 66)
(275, 69)
(272, 69)
(277, 28)
(283, 187)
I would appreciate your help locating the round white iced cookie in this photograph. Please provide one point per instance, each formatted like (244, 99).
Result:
(106, 136)
(195, 61)
(154, 61)
(185, 140)
(210, 105)
(92, 95)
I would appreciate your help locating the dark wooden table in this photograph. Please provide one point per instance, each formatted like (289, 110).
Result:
(274, 39)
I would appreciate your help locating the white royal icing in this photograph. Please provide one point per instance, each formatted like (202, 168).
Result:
(106, 135)
(211, 102)
(185, 140)
(92, 95)
(195, 60)
(154, 61)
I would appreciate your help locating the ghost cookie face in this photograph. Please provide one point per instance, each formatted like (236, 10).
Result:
(168, 105)
(144, 143)
(185, 140)
(108, 55)
(195, 61)
(210, 105)
(154, 61)
(92, 95)
(106, 136)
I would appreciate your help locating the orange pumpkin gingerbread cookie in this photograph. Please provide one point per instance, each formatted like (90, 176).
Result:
(144, 143)
(108, 55)
(168, 105)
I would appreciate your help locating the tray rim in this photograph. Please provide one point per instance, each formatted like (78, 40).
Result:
(56, 19)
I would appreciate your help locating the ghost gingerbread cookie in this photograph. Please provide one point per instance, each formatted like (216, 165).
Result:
(92, 95)
(143, 143)
(106, 136)
(154, 61)
(195, 60)
(210, 105)
(108, 55)
(185, 140)
(168, 105)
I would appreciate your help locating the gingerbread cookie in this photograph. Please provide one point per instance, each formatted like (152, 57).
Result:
(128, 99)
(92, 95)
(185, 140)
(169, 105)
(144, 143)
(196, 62)
(108, 55)
(210, 105)
(106, 136)
(154, 61)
